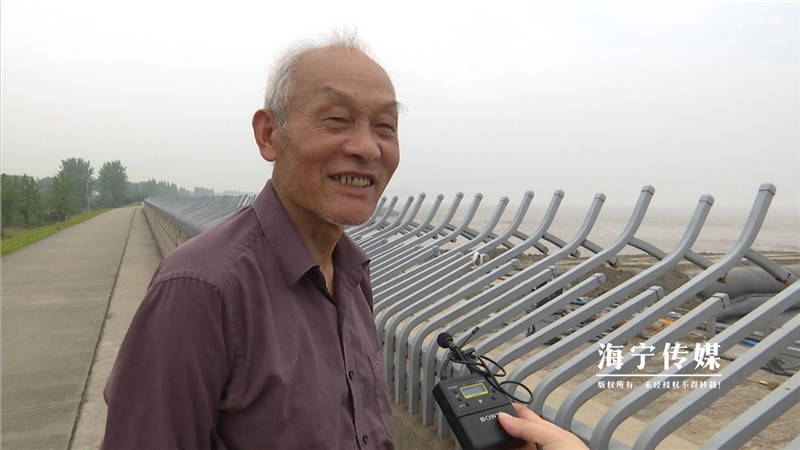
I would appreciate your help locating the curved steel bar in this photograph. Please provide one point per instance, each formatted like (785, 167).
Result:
(794, 445)
(556, 304)
(769, 265)
(698, 260)
(533, 239)
(447, 275)
(638, 399)
(502, 336)
(378, 223)
(589, 245)
(412, 229)
(752, 421)
(391, 253)
(519, 284)
(410, 346)
(588, 388)
(616, 294)
(420, 277)
(387, 262)
(400, 225)
(193, 215)
(380, 280)
(363, 237)
(443, 285)
(524, 237)
(446, 319)
(648, 248)
(681, 411)
(642, 396)
(515, 309)
(355, 229)
(413, 302)
(415, 259)
(396, 359)
(205, 220)
(414, 298)
(558, 242)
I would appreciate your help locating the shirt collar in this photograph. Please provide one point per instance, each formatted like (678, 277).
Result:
(291, 252)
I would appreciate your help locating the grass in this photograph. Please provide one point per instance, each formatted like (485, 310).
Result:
(9, 232)
(18, 237)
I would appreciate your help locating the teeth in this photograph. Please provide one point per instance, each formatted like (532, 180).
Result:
(353, 180)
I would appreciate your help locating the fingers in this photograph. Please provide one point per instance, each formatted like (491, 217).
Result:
(536, 431)
(522, 428)
(511, 424)
(524, 412)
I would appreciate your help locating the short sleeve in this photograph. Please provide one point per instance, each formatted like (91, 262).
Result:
(172, 369)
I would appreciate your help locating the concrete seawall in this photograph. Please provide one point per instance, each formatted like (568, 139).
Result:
(166, 234)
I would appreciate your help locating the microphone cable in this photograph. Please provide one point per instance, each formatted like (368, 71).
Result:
(477, 364)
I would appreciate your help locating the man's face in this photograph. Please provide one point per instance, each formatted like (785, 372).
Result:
(339, 146)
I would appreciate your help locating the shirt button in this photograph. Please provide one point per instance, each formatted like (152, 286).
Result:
(350, 375)
(364, 438)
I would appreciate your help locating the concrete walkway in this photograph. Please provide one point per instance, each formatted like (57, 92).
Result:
(140, 260)
(55, 294)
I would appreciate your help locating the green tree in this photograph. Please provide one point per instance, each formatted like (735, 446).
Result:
(29, 194)
(80, 171)
(61, 196)
(45, 183)
(10, 197)
(113, 182)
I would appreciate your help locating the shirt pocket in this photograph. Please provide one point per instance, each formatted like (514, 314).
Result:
(381, 391)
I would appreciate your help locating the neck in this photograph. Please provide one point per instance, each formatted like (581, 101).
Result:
(319, 235)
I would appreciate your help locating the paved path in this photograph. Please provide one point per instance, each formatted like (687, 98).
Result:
(55, 294)
(140, 260)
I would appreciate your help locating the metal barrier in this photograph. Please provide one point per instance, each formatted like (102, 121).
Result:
(544, 322)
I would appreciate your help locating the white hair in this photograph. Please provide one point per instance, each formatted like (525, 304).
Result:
(281, 85)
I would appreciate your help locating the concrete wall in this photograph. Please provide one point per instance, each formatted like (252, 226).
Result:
(166, 233)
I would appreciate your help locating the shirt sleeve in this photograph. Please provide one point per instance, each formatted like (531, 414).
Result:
(171, 371)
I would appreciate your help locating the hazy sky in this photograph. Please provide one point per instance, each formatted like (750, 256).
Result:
(691, 97)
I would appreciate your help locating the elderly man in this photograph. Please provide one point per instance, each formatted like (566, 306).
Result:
(258, 333)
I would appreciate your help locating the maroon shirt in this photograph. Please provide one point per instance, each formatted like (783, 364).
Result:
(239, 345)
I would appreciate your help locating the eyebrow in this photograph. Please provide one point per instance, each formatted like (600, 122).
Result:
(332, 92)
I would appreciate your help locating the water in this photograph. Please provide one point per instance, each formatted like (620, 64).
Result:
(662, 226)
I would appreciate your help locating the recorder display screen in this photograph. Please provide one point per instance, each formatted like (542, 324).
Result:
(474, 390)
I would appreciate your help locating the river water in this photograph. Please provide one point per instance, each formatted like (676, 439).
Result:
(662, 226)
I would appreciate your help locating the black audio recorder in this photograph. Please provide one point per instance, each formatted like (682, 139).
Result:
(470, 405)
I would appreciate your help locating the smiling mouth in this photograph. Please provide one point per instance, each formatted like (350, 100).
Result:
(353, 180)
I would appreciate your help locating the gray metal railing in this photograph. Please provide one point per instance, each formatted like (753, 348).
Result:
(545, 323)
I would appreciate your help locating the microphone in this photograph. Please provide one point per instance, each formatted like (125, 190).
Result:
(445, 340)
(470, 403)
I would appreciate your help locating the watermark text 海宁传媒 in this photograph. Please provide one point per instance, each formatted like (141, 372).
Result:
(675, 356)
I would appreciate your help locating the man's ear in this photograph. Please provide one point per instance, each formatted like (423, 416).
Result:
(265, 130)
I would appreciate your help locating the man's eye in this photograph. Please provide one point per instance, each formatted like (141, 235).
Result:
(335, 122)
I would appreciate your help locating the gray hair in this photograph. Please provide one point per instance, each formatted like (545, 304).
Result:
(281, 84)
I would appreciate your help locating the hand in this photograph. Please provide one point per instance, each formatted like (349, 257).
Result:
(537, 432)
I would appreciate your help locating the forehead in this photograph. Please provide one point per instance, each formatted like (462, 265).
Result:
(342, 72)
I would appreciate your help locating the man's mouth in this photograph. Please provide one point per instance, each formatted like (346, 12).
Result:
(353, 180)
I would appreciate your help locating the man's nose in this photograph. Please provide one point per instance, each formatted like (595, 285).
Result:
(363, 144)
